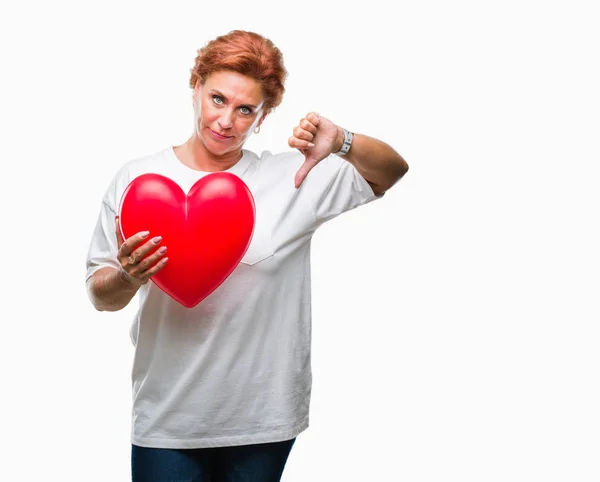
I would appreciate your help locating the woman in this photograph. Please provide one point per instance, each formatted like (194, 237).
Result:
(224, 388)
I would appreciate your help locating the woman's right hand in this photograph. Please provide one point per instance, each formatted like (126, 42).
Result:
(139, 262)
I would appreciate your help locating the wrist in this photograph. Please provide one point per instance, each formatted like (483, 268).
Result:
(345, 143)
(339, 140)
(127, 281)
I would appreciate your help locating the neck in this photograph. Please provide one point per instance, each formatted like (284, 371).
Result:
(195, 155)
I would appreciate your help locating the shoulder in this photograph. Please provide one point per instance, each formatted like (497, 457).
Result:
(143, 164)
(129, 171)
(273, 168)
(282, 159)
(293, 160)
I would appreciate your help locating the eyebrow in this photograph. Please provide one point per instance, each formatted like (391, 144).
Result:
(215, 91)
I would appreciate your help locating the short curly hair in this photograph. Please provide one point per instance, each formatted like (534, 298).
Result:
(247, 53)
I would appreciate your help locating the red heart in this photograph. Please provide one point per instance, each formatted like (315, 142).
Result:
(206, 232)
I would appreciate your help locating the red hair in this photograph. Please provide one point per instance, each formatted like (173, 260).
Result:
(249, 54)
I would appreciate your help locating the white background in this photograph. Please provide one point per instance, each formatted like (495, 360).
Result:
(456, 321)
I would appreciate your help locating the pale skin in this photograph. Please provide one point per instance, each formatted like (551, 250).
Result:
(228, 108)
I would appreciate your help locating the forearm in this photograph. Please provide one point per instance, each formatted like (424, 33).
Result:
(376, 161)
(109, 290)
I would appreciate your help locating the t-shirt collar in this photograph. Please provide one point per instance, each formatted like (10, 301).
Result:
(238, 168)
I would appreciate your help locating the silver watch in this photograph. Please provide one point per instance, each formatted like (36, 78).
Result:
(348, 136)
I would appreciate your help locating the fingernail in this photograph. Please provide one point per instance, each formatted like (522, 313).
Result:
(310, 144)
(157, 239)
(162, 250)
(145, 234)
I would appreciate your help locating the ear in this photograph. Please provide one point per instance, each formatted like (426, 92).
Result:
(196, 91)
(262, 119)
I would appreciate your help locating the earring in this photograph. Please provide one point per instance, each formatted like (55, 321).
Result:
(257, 130)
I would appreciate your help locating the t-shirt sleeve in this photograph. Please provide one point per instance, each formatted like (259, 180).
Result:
(103, 247)
(341, 188)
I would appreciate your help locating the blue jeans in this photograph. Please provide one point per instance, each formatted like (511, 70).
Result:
(243, 463)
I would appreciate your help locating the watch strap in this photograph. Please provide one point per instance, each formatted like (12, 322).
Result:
(348, 137)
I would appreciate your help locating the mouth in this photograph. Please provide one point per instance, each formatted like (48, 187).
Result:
(218, 136)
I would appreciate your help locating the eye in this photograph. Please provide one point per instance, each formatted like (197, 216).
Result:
(217, 99)
(245, 110)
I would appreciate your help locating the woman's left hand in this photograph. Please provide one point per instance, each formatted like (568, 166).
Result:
(316, 137)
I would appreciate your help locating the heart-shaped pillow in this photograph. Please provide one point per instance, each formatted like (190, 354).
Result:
(207, 232)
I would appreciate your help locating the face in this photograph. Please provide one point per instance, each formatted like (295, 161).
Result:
(227, 109)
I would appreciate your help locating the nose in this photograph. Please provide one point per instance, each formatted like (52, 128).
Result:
(226, 120)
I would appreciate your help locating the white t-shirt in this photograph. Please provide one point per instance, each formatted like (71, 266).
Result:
(236, 368)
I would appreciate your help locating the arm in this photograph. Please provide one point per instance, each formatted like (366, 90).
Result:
(112, 289)
(109, 290)
(377, 162)
(317, 137)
